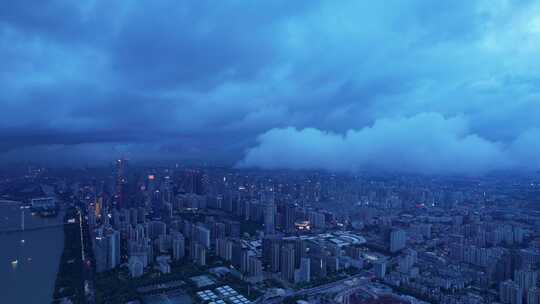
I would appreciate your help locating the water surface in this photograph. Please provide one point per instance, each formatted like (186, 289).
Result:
(31, 280)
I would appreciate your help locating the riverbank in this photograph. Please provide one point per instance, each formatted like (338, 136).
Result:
(69, 281)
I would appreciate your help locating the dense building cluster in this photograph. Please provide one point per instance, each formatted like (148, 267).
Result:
(444, 240)
(316, 236)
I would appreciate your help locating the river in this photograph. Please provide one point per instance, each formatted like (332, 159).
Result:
(31, 279)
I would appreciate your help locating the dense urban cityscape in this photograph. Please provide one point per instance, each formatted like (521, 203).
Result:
(217, 235)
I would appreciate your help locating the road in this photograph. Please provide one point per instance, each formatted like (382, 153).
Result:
(333, 287)
(88, 273)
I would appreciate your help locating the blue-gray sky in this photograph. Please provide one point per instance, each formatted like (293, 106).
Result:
(418, 86)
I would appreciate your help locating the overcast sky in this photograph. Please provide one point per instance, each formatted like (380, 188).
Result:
(417, 86)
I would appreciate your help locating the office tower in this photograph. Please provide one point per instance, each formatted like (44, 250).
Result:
(287, 262)
(379, 268)
(398, 240)
(510, 293)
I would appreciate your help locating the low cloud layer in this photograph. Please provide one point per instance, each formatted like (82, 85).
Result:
(426, 143)
(174, 80)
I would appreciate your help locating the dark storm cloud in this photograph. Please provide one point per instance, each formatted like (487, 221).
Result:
(224, 81)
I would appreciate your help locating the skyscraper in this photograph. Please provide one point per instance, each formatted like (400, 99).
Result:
(398, 240)
(269, 217)
(533, 296)
(113, 252)
(287, 262)
(303, 274)
(525, 279)
(510, 292)
(379, 268)
(121, 181)
(178, 246)
(289, 217)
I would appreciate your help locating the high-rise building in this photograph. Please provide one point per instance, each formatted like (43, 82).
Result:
(316, 219)
(533, 296)
(100, 253)
(318, 266)
(255, 268)
(107, 250)
(379, 268)
(136, 268)
(525, 279)
(121, 181)
(178, 246)
(300, 248)
(269, 218)
(201, 234)
(287, 262)
(224, 249)
(275, 257)
(398, 240)
(510, 293)
(198, 253)
(303, 274)
(289, 217)
(271, 252)
(113, 253)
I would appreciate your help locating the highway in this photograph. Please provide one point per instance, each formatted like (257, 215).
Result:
(333, 287)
